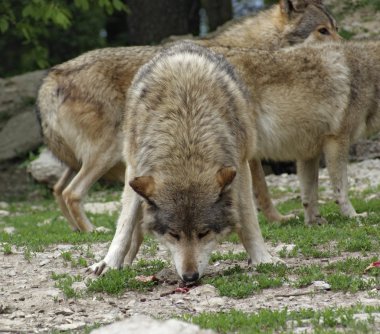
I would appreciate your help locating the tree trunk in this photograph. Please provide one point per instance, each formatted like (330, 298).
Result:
(150, 21)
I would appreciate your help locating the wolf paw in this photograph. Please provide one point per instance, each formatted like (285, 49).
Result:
(361, 215)
(99, 268)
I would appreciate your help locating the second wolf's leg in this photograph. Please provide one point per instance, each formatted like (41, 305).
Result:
(137, 239)
(73, 194)
(58, 190)
(336, 154)
(261, 193)
(126, 224)
(249, 230)
(307, 171)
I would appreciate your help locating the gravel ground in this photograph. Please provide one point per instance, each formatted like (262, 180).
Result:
(29, 301)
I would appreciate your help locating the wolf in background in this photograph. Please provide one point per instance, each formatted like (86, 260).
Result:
(189, 136)
(81, 101)
(313, 99)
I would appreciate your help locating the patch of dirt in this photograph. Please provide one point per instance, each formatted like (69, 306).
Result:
(30, 301)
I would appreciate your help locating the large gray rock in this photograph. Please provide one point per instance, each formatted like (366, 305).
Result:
(19, 128)
(46, 168)
(20, 135)
(144, 325)
(18, 92)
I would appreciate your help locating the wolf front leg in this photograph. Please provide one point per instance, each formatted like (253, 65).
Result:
(121, 242)
(261, 193)
(336, 154)
(307, 171)
(249, 229)
(137, 239)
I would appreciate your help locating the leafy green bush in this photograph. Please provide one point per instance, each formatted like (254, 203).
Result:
(30, 30)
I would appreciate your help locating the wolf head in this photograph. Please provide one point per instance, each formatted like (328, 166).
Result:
(287, 23)
(188, 217)
(308, 21)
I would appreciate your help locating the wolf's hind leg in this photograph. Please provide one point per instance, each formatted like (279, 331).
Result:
(336, 154)
(261, 193)
(307, 171)
(249, 229)
(73, 194)
(58, 190)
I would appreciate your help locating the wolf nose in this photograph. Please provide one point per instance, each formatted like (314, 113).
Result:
(190, 277)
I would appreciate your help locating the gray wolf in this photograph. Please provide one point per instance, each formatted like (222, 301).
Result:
(81, 101)
(188, 138)
(309, 100)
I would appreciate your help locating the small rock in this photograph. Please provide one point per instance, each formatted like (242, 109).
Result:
(144, 325)
(206, 290)
(321, 285)
(72, 326)
(46, 168)
(64, 311)
(4, 308)
(131, 303)
(179, 301)
(11, 273)
(44, 262)
(9, 230)
(17, 314)
(4, 213)
(213, 302)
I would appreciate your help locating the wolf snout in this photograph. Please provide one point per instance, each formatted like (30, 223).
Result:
(190, 276)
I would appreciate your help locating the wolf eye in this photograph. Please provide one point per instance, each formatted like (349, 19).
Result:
(174, 235)
(324, 31)
(203, 234)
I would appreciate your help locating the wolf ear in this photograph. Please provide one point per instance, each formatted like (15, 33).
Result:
(289, 6)
(225, 176)
(144, 186)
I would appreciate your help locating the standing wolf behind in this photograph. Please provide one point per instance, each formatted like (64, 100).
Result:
(188, 134)
(313, 99)
(81, 101)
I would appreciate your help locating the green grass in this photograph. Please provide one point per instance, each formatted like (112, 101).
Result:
(7, 249)
(330, 320)
(115, 282)
(64, 282)
(40, 225)
(339, 235)
(236, 282)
